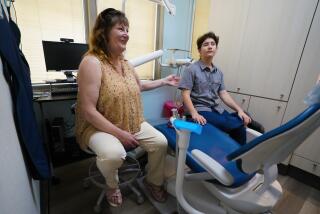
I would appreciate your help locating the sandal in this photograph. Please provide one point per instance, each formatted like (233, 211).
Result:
(114, 197)
(158, 193)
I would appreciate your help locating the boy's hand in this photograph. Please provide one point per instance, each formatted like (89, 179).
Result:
(246, 119)
(199, 118)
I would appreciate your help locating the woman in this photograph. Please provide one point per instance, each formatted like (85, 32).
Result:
(109, 114)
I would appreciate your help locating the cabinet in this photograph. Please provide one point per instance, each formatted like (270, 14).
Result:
(270, 51)
(306, 156)
(259, 52)
(267, 112)
(305, 164)
(310, 148)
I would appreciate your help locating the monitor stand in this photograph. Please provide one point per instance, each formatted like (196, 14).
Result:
(70, 76)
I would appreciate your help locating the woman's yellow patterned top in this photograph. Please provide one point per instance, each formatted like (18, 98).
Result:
(119, 102)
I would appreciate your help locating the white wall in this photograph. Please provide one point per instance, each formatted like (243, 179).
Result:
(18, 192)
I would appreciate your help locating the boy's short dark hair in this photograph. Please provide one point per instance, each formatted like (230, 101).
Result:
(205, 36)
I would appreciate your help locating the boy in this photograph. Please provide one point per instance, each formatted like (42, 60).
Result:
(202, 85)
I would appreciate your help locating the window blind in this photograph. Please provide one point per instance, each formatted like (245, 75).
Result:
(142, 30)
(47, 20)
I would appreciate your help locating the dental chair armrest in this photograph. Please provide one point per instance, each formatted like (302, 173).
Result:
(213, 167)
(252, 134)
(201, 176)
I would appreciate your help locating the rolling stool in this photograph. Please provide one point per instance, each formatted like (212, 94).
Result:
(128, 173)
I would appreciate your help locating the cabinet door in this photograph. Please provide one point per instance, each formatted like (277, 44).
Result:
(308, 71)
(305, 164)
(241, 99)
(304, 81)
(267, 112)
(310, 148)
(261, 43)
(228, 20)
(272, 46)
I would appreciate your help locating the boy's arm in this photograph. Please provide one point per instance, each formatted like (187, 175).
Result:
(188, 103)
(228, 100)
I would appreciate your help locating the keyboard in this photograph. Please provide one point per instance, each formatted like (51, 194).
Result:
(60, 81)
(64, 91)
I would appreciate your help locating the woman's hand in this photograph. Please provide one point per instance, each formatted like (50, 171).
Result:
(199, 118)
(172, 80)
(128, 140)
(246, 119)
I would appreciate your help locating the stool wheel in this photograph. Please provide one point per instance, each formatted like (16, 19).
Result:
(86, 184)
(97, 209)
(140, 200)
(128, 173)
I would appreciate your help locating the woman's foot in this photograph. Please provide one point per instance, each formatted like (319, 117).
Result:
(158, 192)
(114, 197)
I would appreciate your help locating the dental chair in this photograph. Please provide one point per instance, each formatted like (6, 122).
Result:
(226, 177)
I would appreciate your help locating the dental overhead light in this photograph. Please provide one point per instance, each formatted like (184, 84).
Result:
(146, 58)
(170, 7)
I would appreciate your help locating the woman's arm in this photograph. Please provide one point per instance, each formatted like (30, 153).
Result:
(89, 82)
(171, 80)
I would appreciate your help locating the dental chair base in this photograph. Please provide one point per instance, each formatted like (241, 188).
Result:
(248, 198)
(211, 198)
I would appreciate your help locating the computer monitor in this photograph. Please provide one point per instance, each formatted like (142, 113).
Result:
(63, 56)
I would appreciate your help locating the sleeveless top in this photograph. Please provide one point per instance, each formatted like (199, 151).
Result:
(119, 102)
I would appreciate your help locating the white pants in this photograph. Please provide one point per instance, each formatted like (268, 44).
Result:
(111, 154)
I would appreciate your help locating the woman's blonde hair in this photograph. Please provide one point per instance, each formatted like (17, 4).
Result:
(99, 37)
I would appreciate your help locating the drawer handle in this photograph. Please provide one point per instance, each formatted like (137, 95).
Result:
(243, 100)
(238, 89)
(281, 96)
(314, 166)
(278, 108)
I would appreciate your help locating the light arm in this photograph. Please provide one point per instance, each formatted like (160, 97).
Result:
(146, 58)
(171, 8)
(149, 85)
